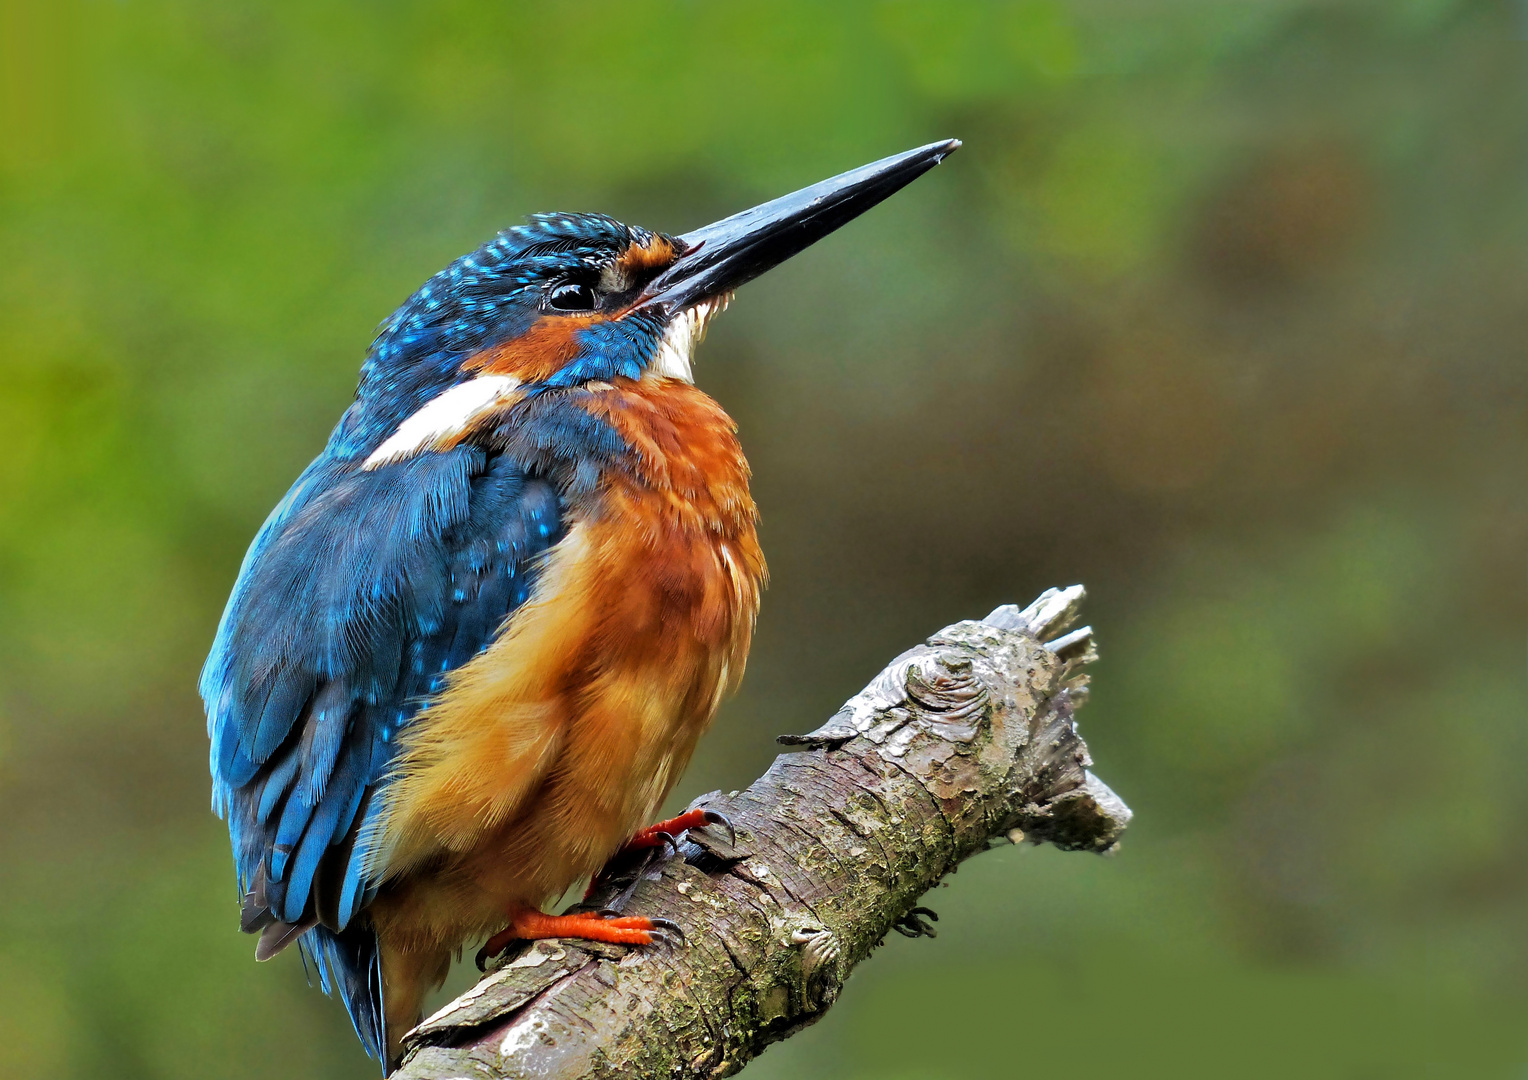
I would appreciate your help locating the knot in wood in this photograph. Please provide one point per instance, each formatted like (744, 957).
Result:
(946, 687)
(820, 977)
(818, 946)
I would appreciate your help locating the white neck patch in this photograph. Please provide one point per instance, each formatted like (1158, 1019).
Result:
(686, 330)
(441, 419)
(444, 417)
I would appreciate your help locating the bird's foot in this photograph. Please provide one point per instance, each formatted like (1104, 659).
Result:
(528, 924)
(664, 832)
(658, 835)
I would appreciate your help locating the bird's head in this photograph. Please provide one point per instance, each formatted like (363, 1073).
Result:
(568, 300)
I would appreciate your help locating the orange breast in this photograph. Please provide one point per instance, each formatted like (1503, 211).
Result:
(549, 748)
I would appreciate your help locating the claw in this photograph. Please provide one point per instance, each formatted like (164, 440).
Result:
(714, 818)
(530, 924)
(668, 926)
(651, 841)
(494, 946)
(664, 831)
(665, 938)
(658, 924)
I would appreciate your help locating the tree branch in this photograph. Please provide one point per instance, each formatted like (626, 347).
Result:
(959, 744)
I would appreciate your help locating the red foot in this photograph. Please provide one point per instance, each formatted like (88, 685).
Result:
(662, 834)
(664, 831)
(528, 924)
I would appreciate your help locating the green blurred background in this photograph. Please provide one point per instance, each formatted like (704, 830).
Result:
(1222, 310)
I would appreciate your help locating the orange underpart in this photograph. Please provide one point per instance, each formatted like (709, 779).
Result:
(551, 747)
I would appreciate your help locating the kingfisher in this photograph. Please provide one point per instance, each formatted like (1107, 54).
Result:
(470, 652)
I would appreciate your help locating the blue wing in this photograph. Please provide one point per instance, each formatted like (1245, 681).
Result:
(360, 592)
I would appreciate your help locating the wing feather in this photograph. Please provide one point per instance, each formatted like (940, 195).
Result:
(358, 597)
(361, 592)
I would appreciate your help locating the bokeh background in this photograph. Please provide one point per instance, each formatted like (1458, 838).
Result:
(1222, 311)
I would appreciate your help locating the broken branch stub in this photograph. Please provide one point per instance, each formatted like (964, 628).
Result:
(962, 742)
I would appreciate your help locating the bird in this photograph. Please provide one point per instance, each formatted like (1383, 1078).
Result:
(470, 652)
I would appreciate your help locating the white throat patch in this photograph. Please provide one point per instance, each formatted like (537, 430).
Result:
(686, 330)
(444, 417)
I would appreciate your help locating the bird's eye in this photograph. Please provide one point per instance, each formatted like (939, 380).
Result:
(571, 296)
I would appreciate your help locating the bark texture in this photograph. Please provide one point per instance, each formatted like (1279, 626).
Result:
(959, 744)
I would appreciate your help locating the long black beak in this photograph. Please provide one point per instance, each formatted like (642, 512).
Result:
(721, 256)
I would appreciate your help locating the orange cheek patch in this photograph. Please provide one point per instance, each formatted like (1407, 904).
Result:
(537, 354)
(640, 261)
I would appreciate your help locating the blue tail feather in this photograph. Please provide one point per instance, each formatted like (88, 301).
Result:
(349, 967)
